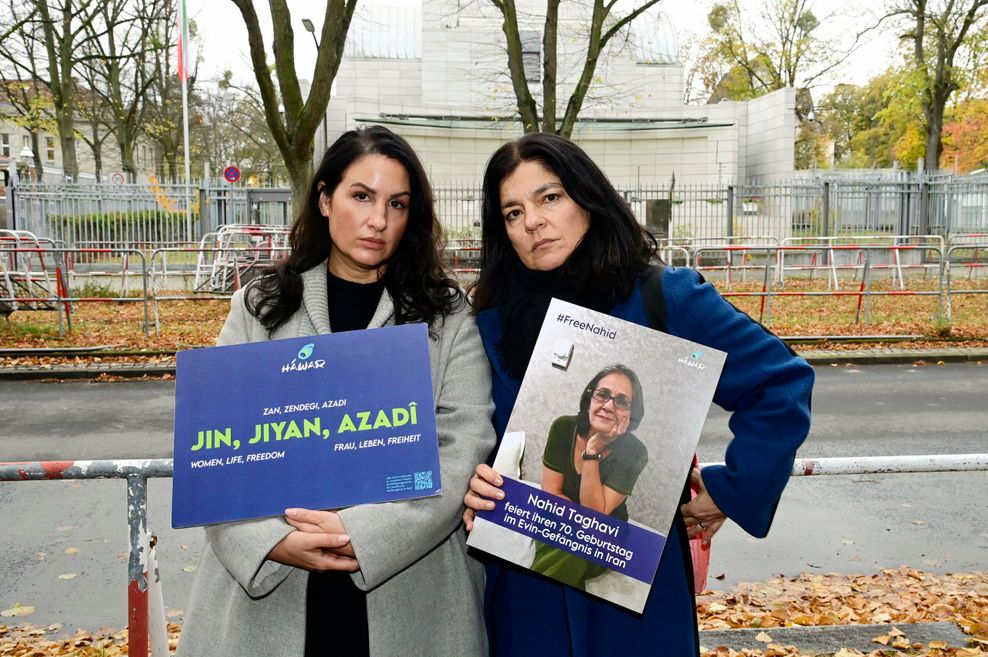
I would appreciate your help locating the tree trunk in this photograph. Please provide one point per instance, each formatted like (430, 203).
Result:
(300, 172)
(292, 122)
(66, 138)
(550, 64)
(65, 107)
(39, 167)
(98, 159)
(527, 110)
(934, 132)
(126, 145)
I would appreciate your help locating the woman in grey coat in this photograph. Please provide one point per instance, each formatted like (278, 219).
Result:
(374, 579)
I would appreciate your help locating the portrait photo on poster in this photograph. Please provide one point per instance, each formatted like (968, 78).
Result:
(597, 451)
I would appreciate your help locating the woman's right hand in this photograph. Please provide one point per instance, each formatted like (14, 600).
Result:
(484, 487)
(313, 551)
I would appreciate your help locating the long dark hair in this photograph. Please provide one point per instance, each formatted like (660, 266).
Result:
(637, 400)
(414, 276)
(616, 247)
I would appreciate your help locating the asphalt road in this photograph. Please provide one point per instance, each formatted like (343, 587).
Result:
(849, 524)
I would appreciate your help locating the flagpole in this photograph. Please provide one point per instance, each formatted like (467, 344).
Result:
(184, 77)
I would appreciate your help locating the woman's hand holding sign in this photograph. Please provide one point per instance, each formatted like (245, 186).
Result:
(702, 515)
(484, 488)
(318, 543)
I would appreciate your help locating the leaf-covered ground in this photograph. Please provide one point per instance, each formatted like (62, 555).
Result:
(892, 597)
(889, 597)
(185, 324)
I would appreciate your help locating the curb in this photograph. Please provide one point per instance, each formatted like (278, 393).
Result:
(83, 372)
(893, 356)
(829, 639)
(817, 357)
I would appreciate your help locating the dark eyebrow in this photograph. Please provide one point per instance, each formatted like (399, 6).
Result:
(539, 190)
(546, 187)
(374, 191)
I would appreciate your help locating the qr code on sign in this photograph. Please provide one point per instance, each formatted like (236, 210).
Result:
(423, 480)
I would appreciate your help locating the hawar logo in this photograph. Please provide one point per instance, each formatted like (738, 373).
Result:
(693, 360)
(304, 354)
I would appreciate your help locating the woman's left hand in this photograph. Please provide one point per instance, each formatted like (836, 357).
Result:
(319, 522)
(702, 515)
(598, 442)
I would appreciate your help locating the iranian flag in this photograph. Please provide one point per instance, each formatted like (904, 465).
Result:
(183, 40)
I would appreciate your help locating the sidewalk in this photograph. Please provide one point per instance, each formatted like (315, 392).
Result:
(94, 368)
(831, 639)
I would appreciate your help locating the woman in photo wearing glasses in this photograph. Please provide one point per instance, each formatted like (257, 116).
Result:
(593, 459)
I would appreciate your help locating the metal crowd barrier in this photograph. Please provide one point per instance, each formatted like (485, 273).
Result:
(43, 283)
(231, 268)
(864, 293)
(978, 248)
(894, 243)
(145, 615)
(463, 255)
(144, 583)
(56, 295)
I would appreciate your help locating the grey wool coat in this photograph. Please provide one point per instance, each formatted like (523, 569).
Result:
(424, 594)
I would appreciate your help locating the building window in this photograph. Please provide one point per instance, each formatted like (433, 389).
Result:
(531, 54)
(26, 141)
(50, 148)
(5, 144)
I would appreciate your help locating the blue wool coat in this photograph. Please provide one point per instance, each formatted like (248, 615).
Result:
(767, 389)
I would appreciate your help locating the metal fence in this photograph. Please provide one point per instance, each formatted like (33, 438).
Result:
(143, 216)
(146, 618)
(900, 204)
(34, 275)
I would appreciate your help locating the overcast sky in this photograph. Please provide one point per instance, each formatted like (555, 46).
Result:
(224, 37)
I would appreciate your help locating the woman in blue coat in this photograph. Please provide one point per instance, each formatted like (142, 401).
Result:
(554, 226)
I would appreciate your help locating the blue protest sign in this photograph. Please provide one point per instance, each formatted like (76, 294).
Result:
(319, 422)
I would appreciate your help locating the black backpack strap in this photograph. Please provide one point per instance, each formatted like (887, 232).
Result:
(652, 297)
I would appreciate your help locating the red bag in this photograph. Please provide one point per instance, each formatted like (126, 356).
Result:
(699, 552)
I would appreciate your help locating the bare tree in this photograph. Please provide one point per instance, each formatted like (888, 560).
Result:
(937, 30)
(230, 127)
(291, 119)
(120, 66)
(604, 25)
(55, 33)
(163, 102)
(96, 114)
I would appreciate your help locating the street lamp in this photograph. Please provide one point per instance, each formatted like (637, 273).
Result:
(26, 158)
(311, 29)
(21, 168)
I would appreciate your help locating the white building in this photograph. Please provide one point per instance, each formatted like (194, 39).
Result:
(438, 76)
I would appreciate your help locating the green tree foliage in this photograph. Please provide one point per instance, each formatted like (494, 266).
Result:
(750, 54)
(35, 113)
(938, 34)
(875, 124)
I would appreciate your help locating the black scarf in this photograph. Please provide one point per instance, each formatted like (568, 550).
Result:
(525, 297)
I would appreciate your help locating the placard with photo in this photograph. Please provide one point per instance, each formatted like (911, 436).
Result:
(597, 452)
